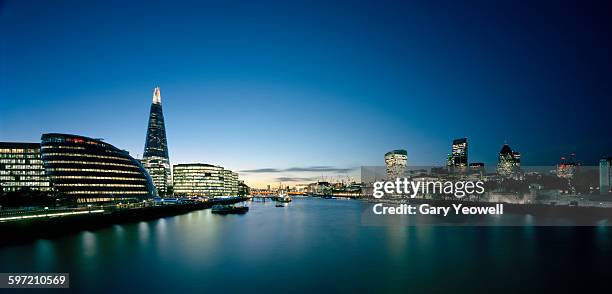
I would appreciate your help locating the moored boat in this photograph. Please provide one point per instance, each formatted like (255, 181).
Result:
(283, 197)
(229, 209)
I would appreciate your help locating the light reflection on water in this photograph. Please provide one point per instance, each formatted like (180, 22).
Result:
(89, 244)
(311, 244)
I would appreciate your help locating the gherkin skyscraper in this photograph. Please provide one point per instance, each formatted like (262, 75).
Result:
(155, 158)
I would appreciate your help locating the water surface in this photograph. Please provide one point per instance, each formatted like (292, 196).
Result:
(315, 245)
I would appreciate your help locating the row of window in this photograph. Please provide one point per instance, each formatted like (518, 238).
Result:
(85, 155)
(65, 169)
(17, 188)
(53, 139)
(64, 147)
(89, 162)
(108, 192)
(24, 178)
(25, 184)
(19, 150)
(99, 199)
(98, 178)
(21, 161)
(100, 185)
(19, 155)
(23, 167)
(13, 172)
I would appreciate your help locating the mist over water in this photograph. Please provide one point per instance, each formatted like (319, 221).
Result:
(314, 245)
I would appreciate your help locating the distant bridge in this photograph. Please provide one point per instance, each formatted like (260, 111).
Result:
(271, 193)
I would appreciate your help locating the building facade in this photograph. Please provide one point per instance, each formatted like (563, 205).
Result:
(567, 167)
(159, 171)
(21, 167)
(459, 154)
(199, 179)
(477, 168)
(227, 182)
(155, 158)
(91, 170)
(605, 175)
(230, 183)
(508, 161)
(395, 163)
(243, 189)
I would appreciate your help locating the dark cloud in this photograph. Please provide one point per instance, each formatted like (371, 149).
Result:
(301, 169)
(261, 170)
(319, 169)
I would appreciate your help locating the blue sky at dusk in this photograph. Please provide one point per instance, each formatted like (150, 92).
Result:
(309, 88)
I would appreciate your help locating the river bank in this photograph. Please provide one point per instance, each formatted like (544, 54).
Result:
(47, 227)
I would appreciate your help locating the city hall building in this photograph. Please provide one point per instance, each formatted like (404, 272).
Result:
(91, 170)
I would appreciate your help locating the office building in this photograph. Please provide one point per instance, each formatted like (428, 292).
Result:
(477, 167)
(91, 170)
(567, 166)
(199, 179)
(395, 163)
(235, 184)
(230, 183)
(508, 161)
(243, 189)
(155, 158)
(459, 154)
(21, 167)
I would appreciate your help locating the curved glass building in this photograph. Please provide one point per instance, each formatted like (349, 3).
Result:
(93, 171)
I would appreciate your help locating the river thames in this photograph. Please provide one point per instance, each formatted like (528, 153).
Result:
(315, 245)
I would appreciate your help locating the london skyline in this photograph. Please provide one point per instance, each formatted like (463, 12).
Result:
(308, 100)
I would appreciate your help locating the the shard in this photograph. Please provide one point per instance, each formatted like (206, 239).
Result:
(155, 158)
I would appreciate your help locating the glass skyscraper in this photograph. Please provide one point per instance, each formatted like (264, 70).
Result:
(508, 161)
(155, 158)
(459, 155)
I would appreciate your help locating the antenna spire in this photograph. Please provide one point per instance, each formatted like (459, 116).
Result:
(156, 96)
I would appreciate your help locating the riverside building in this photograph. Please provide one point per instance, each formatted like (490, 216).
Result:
(91, 170)
(21, 167)
(155, 158)
(200, 179)
(230, 182)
